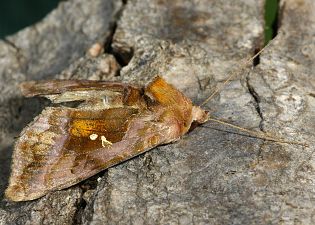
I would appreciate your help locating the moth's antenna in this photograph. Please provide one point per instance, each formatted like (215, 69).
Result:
(233, 74)
(258, 134)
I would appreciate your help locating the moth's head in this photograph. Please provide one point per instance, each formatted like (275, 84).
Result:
(199, 115)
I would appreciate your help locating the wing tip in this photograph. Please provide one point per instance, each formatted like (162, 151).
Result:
(15, 193)
(18, 193)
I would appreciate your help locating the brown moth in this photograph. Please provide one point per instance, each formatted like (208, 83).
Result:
(113, 122)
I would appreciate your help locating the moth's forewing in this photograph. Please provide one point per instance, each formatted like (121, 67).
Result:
(59, 149)
(112, 93)
(64, 146)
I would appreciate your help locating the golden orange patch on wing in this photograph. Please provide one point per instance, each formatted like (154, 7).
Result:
(85, 127)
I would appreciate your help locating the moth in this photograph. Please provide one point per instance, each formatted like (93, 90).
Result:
(112, 123)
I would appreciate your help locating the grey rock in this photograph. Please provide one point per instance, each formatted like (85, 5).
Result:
(214, 174)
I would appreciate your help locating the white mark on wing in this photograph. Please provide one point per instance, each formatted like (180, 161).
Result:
(105, 101)
(93, 137)
(105, 142)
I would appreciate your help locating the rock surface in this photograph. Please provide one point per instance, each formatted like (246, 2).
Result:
(213, 175)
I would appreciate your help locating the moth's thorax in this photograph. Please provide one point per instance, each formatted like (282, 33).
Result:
(176, 109)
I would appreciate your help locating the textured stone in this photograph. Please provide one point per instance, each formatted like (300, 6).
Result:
(213, 175)
(283, 83)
